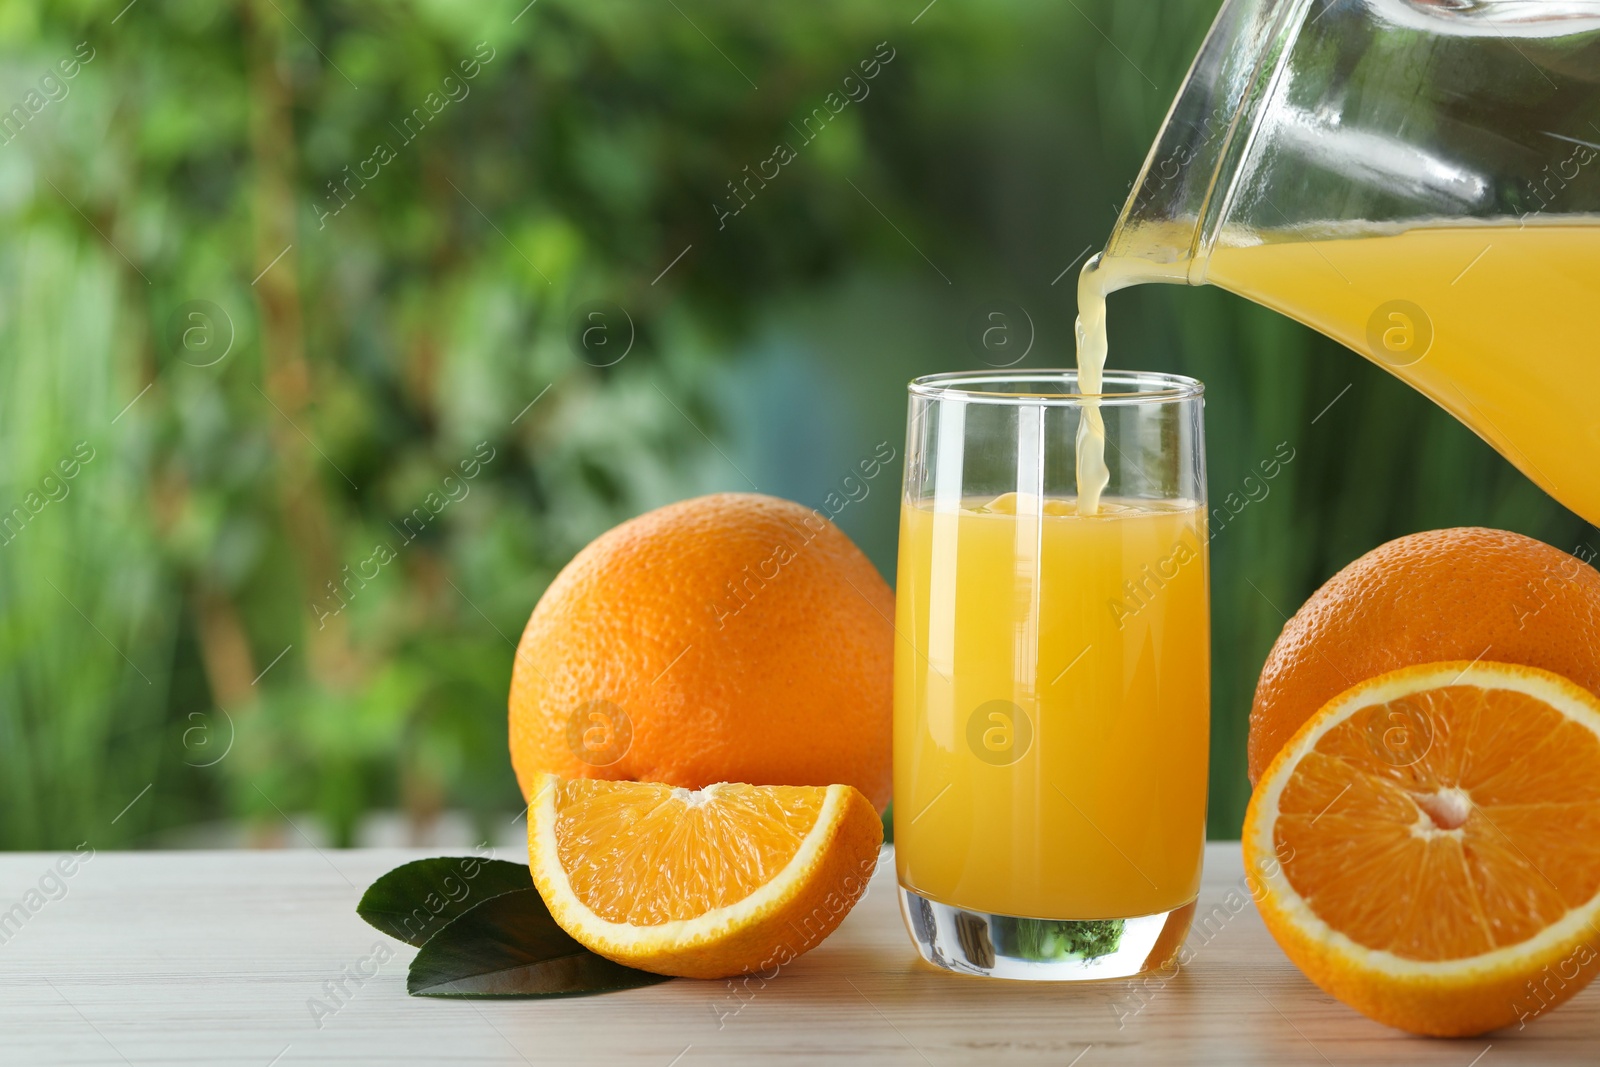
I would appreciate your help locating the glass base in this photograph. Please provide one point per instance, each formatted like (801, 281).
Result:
(1042, 950)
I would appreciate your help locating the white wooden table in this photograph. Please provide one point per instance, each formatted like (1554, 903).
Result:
(214, 958)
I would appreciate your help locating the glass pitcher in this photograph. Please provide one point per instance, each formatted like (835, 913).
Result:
(1418, 180)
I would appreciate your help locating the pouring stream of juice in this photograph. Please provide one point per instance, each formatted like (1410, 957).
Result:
(1491, 320)
(1091, 331)
(1099, 277)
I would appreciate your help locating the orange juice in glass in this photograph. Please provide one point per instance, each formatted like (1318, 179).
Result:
(1052, 675)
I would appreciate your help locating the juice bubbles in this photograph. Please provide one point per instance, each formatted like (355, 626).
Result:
(1494, 322)
(1052, 694)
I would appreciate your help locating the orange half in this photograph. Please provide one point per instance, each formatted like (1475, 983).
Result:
(1427, 847)
(700, 883)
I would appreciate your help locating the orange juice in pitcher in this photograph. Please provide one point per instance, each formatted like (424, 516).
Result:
(1420, 181)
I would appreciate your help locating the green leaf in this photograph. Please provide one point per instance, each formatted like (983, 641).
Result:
(509, 946)
(416, 900)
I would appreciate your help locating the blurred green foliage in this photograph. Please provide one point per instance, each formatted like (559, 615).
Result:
(275, 361)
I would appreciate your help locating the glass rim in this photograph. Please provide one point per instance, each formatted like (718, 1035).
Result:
(988, 387)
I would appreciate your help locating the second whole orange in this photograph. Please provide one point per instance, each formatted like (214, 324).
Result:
(733, 637)
(1467, 593)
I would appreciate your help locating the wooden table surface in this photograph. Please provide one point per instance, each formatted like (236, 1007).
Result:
(217, 958)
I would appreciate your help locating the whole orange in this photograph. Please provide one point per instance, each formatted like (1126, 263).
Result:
(1467, 593)
(729, 638)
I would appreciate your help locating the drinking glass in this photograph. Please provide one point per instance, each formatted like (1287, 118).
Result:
(1052, 675)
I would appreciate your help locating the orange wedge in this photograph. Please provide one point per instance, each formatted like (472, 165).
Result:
(1427, 847)
(702, 883)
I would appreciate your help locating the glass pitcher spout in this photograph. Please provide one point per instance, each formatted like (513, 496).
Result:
(1165, 217)
(1415, 178)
